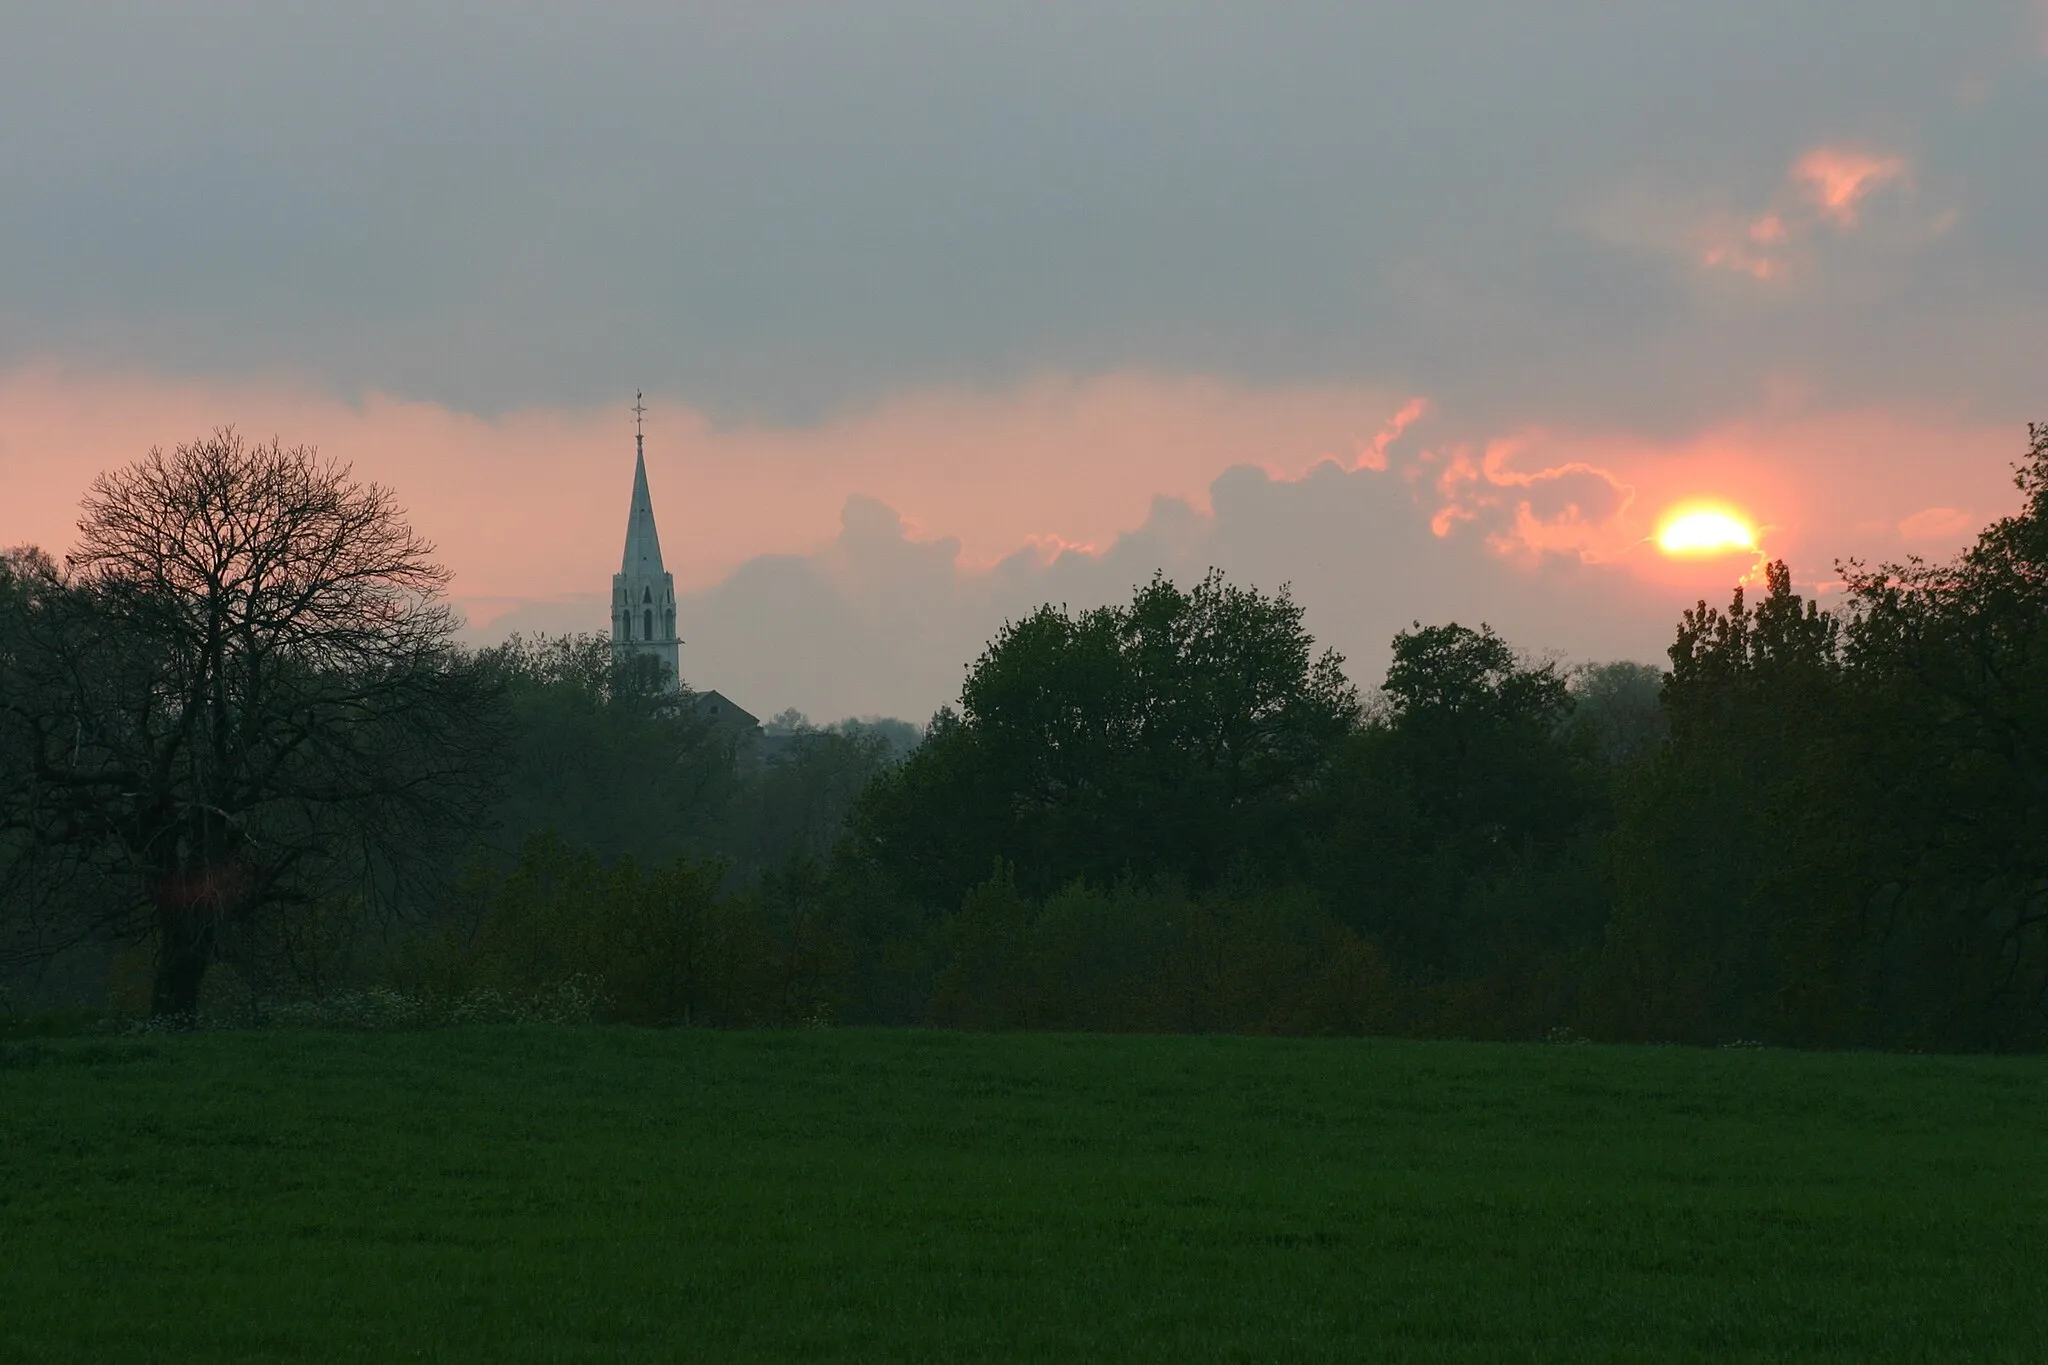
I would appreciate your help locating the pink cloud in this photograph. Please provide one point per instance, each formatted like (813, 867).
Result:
(1817, 487)
(1747, 248)
(1938, 523)
(531, 505)
(1563, 507)
(1827, 185)
(528, 507)
(1739, 258)
(1838, 179)
(1374, 456)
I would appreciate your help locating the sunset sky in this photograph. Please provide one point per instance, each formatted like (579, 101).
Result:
(1433, 310)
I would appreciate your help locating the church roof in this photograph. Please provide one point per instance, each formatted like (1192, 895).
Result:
(643, 542)
(726, 711)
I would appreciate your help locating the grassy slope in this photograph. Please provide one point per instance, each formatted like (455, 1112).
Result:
(605, 1194)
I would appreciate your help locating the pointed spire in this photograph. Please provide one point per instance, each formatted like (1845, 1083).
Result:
(643, 542)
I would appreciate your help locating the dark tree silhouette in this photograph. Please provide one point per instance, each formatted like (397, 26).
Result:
(241, 697)
(1173, 736)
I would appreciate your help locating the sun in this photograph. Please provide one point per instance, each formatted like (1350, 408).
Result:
(1705, 531)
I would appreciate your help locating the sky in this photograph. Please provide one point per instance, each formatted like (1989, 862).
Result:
(1431, 311)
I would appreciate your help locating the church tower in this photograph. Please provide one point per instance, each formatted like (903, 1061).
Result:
(644, 593)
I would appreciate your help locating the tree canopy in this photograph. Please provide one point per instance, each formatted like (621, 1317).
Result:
(1167, 737)
(242, 696)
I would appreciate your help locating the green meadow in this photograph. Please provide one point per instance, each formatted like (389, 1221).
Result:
(586, 1194)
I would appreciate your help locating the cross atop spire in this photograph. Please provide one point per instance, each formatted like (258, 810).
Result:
(639, 409)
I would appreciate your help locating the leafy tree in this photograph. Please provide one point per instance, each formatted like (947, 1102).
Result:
(242, 697)
(48, 886)
(1953, 661)
(658, 946)
(604, 752)
(1464, 783)
(795, 802)
(1156, 959)
(1170, 737)
(1617, 711)
(1735, 855)
(1478, 732)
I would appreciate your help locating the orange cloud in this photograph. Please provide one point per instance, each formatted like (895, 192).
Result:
(531, 504)
(1839, 179)
(1565, 507)
(1938, 523)
(1826, 185)
(1374, 456)
(1821, 486)
(528, 507)
(1748, 248)
(1727, 256)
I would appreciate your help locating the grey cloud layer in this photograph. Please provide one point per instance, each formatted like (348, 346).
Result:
(778, 209)
(785, 210)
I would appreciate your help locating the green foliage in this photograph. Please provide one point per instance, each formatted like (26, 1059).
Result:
(1454, 825)
(1841, 844)
(795, 802)
(1617, 713)
(1126, 959)
(1171, 737)
(604, 755)
(1476, 733)
(657, 946)
(1720, 845)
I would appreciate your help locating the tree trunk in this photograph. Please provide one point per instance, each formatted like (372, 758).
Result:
(184, 950)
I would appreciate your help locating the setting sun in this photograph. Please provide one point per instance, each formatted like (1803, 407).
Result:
(1705, 531)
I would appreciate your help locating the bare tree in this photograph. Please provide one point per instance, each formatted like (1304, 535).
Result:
(242, 696)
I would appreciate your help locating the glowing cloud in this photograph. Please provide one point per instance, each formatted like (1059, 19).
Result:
(1725, 256)
(1937, 523)
(1374, 455)
(1705, 531)
(1838, 180)
(1824, 187)
(527, 505)
(1567, 507)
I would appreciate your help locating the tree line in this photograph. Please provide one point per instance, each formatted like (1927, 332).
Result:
(243, 754)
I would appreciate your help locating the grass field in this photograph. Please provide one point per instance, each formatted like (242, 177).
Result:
(593, 1194)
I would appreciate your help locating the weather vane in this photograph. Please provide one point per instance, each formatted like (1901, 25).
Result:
(639, 408)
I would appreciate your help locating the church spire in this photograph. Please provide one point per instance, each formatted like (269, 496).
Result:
(643, 542)
(643, 591)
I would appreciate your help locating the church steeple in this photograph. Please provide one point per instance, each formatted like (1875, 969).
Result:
(643, 541)
(643, 592)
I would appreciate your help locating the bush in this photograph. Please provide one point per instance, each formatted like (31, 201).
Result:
(1134, 959)
(666, 946)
